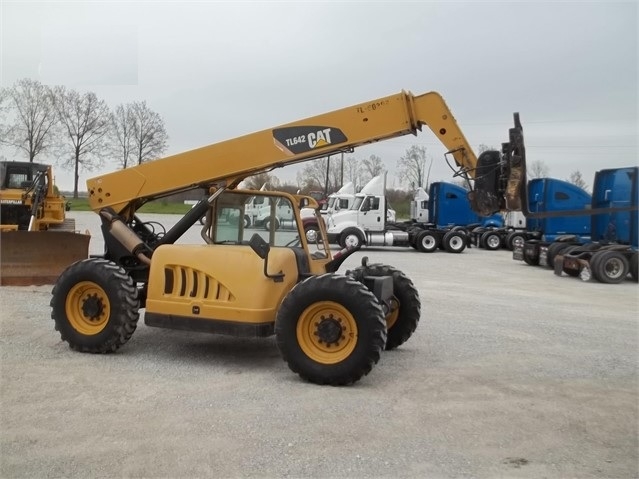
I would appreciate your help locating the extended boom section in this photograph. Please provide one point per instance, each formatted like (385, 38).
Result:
(232, 160)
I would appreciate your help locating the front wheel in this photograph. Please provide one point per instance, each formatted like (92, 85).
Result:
(95, 306)
(403, 318)
(330, 329)
(351, 238)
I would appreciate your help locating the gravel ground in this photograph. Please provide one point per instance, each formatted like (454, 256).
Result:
(513, 372)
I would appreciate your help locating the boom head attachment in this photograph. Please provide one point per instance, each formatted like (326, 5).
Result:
(500, 178)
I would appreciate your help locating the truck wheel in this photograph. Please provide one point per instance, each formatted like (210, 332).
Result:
(427, 242)
(570, 271)
(455, 241)
(634, 264)
(330, 329)
(267, 224)
(514, 240)
(95, 306)
(247, 221)
(610, 267)
(555, 249)
(351, 238)
(312, 234)
(490, 240)
(404, 316)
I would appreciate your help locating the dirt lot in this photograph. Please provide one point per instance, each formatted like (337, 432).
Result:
(513, 372)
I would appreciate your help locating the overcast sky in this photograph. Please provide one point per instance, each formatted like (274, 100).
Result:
(217, 70)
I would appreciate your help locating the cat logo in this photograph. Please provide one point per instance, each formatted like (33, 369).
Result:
(295, 140)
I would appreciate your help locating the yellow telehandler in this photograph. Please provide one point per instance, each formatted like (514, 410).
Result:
(37, 240)
(330, 327)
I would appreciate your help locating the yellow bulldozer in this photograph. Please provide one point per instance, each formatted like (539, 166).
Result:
(37, 240)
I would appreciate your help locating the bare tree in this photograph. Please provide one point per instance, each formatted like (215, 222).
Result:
(576, 178)
(352, 167)
(150, 139)
(373, 166)
(412, 166)
(122, 125)
(313, 175)
(34, 117)
(256, 182)
(537, 169)
(483, 147)
(86, 121)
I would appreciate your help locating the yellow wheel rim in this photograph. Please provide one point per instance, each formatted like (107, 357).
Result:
(327, 332)
(391, 317)
(88, 308)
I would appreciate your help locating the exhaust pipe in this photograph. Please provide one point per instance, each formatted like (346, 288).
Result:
(125, 235)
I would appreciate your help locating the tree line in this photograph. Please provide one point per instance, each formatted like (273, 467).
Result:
(78, 129)
(82, 132)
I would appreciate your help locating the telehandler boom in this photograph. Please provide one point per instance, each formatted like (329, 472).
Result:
(330, 328)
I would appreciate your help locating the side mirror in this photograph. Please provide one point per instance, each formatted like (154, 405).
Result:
(262, 249)
(304, 202)
(259, 246)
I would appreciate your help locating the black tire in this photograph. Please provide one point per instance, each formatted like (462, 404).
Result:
(351, 238)
(455, 241)
(610, 267)
(555, 249)
(403, 322)
(514, 239)
(312, 234)
(333, 306)
(427, 242)
(267, 224)
(491, 240)
(634, 263)
(531, 260)
(571, 272)
(247, 221)
(95, 306)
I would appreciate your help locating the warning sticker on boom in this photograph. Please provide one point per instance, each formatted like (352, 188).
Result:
(294, 140)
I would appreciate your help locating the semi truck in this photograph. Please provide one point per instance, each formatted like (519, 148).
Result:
(607, 252)
(449, 208)
(330, 327)
(367, 223)
(545, 196)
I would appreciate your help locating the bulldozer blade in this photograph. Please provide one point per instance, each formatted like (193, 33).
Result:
(39, 257)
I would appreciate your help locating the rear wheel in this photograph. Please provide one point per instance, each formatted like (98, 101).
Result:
(330, 329)
(515, 240)
(95, 306)
(491, 240)
(403, 318)
(555, 249)
(427, 242)
(610, 267)
(455, 241)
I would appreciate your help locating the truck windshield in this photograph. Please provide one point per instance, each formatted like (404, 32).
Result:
(358, 202)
